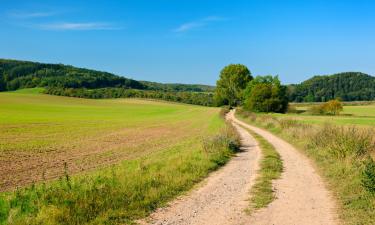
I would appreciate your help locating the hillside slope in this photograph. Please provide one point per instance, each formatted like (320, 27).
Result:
(15, 74)
(349, 86)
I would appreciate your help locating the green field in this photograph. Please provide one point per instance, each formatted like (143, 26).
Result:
(363, 115)
(130, 156)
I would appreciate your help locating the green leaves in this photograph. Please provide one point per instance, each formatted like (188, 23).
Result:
(266, 94)
(231, 85)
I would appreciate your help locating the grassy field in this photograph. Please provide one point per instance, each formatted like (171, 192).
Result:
(363, 115)
(342, 155)
(130, 156)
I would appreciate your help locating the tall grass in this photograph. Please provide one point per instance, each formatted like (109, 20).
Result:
(122, 193)
(343, 156)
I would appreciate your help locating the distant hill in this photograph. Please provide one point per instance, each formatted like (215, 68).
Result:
(349, 86)
(15, 74)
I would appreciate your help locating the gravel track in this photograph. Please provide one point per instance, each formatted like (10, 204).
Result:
(223, 197)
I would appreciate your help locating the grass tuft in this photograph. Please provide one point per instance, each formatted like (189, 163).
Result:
(271, 167)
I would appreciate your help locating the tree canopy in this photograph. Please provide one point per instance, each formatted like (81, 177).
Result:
(16, 74)
(231, 84)
(266, 94)
(349, 86)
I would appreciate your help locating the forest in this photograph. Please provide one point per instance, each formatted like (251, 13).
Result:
(17, 74)
(348, 86)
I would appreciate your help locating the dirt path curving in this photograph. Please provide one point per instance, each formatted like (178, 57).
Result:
(301, 195)
(222, 197)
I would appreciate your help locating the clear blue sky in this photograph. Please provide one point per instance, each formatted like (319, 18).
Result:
(189, 41)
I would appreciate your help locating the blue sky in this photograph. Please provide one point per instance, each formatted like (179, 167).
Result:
(190, 41)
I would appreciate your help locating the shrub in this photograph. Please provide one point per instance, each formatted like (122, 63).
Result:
(368, 175)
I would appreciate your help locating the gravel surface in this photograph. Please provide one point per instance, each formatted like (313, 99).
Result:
(222, 198)
(301, 194)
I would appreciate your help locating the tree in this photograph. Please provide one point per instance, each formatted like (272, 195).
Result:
(231, 84)
(333, 107)
(266, 94)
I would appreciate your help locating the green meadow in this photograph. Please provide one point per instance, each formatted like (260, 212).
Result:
(126, 157)
(363, 115)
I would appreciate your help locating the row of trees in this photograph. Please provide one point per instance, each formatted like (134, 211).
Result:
(196, 98)
(236, 86)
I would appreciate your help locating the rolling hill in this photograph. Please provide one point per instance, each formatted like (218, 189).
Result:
(349, 86)
(15, 74)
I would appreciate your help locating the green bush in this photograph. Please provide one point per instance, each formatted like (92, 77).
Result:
(368, 175)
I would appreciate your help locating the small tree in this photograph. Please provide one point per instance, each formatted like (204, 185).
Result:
(230, 86)
(332, 107)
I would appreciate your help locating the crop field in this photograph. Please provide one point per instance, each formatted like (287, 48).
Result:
(39, 133)
(363, 115)
(132, 156)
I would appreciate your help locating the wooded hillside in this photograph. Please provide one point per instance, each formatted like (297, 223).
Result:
(349, 86)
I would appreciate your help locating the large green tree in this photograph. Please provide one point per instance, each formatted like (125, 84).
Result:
(266, 94)
(231, 84)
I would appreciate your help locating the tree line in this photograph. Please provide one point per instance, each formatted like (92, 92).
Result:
(196, 98)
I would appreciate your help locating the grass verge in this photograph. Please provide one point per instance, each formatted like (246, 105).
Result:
(271, 167)
(342, 155)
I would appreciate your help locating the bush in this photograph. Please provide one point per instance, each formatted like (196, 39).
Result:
(368, 175)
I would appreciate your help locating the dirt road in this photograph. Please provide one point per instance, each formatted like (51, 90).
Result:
(222, 199)
(301, 195)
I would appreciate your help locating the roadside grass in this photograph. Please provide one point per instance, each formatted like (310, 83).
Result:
(271, 167)
(342, 155)
(130, 189)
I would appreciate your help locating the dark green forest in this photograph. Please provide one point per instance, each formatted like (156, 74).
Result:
(59, 79)
(17, 74)
(349, 86)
